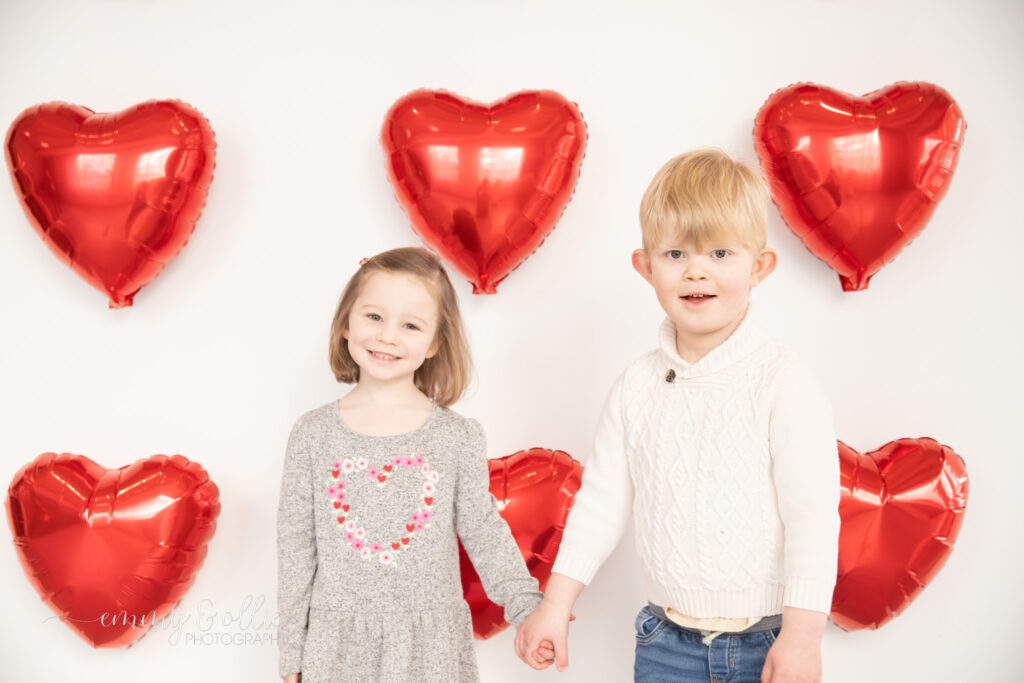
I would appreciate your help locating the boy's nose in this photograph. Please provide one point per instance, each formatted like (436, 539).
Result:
(694, 272)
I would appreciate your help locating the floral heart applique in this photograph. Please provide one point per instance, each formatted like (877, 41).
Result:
(355, 535)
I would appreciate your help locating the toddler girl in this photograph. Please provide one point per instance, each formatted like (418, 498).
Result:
(376, 486)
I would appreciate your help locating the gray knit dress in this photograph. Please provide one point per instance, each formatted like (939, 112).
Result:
(368, 563)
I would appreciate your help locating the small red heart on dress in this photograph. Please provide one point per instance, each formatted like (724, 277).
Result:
(428, 501)
(396, 546)
(341, 520)
(345, 508)
(337, 505)
(381, 478)
(388, 468)
(405, 541)
(334, 473)
(410, 527)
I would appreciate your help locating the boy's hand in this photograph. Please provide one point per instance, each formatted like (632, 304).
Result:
(793, 659)
(796, 655)
(543, 637)
(291, 678)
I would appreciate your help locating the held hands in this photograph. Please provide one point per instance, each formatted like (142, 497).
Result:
(543, 637)
(796, 655)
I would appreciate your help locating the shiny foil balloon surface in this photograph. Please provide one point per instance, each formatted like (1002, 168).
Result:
(901, 508)
(484, 185)
(535, 491)
(115, 196)
(857, 178)
(110, 551)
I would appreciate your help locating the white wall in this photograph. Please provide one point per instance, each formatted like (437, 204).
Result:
(225, 348)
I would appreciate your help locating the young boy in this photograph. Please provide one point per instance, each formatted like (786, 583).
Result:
(721, 445)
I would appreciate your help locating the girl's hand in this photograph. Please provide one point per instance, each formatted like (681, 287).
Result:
(796, 655)
(291, 678)
(542, 638)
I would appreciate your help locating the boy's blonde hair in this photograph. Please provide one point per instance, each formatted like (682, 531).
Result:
(702, 196)
(445, 375)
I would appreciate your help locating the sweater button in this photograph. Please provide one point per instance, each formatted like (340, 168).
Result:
(670, 376)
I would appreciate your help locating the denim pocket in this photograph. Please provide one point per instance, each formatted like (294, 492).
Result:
(648, 626)
(770, 635)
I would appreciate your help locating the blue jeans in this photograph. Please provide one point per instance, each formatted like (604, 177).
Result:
(666, 653)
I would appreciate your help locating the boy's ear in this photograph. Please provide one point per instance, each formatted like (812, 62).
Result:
(764, 264)
(642, 265)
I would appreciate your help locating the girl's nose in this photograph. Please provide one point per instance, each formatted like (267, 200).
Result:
(386, 334)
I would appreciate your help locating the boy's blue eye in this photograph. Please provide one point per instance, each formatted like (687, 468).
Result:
(720, 253)
(675, 254)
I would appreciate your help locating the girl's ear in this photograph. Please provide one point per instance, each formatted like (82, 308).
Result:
(764, 264)
(642, 265)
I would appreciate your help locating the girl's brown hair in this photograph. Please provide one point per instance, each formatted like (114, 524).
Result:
(445, 375)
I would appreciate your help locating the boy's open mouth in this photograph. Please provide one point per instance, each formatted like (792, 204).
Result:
(697, 298)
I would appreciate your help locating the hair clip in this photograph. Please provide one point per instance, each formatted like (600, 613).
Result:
(362, 261)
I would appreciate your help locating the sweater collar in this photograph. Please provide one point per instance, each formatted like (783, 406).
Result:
(740, 343)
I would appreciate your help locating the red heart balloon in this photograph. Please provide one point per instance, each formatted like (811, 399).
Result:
(115, 196)
(857, 178)
(535, 491)
(484, 185)
(111, 551)
(901, 509)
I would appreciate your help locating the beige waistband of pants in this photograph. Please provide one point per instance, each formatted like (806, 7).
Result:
(713, 626)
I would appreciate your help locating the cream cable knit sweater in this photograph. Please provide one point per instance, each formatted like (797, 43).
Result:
(729, 467)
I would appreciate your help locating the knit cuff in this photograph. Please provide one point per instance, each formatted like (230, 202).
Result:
(810, 594)
(522, 607)
(289, 664)
(575, 565)
(291, 640)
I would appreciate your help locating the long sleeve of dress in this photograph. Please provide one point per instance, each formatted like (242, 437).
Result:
(486, 536)
(296, 550)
